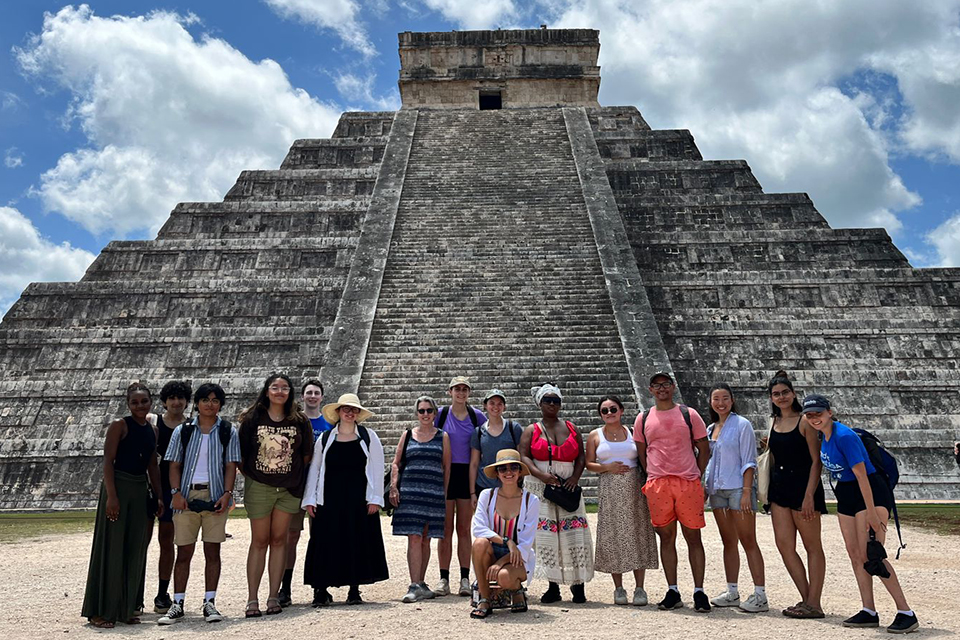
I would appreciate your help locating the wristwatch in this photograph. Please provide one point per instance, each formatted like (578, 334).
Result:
(174, 492)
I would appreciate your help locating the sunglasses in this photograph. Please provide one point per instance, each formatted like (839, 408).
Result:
(551, 400)
(508, 467)
(424, 411)
(606, 410)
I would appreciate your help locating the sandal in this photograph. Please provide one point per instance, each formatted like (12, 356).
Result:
(133, 620)
(518, 607)
(253, 609)
(479, 612)
(275, 608)
(102, 623)
(803, 611)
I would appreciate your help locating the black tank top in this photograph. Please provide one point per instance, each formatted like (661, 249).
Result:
(134, 451)
(790, 452)
(163, 441)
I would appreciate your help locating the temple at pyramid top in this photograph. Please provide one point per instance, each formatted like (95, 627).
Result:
(499, 69)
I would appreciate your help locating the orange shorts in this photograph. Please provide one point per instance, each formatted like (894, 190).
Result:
(673, 498)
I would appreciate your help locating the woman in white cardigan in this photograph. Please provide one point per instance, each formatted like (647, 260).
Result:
(504, 527)
(343, 496)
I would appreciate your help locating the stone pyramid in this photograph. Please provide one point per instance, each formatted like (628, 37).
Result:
(501, 225)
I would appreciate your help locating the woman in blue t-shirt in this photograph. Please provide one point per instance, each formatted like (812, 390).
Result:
(864, 502)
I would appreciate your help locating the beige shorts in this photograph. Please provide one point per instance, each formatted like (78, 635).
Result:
(187, 524)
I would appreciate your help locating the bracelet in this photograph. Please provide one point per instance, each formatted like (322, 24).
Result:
(230, 491)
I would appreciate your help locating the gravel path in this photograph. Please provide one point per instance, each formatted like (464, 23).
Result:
(44, 578)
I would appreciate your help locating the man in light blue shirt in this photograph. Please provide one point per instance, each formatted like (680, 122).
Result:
(203, 455)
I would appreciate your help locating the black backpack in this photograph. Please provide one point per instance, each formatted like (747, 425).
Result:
(186, 432)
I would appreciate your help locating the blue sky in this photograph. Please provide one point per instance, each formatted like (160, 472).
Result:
(112, 112)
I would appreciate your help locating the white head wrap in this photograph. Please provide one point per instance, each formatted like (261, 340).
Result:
(547, 389)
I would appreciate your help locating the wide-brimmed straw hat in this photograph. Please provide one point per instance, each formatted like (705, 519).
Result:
(346, 400)
(506, 456)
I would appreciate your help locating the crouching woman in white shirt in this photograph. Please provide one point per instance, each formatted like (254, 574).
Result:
(504, 526)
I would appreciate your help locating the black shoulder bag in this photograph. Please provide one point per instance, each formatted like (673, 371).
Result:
(557, 493)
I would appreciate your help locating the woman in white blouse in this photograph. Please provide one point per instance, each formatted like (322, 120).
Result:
(504, 526)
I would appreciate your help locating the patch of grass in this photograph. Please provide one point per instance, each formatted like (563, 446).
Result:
(942, 518)
(16, 527)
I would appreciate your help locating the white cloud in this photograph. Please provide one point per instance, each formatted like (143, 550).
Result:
(10, 101)
(946, 239)
(168, 118)
(359, 90)
(475, 14)
(342, 16)
(26, 256)
(761, 81)
(12, 159)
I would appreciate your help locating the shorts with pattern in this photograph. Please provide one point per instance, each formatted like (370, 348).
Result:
(671, 498)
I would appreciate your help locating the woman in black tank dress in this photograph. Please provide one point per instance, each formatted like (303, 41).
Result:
(117, 559)
(796, 496)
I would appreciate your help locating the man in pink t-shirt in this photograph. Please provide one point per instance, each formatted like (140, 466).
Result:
(665, 445)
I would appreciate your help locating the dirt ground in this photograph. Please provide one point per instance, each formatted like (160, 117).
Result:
(43, 582)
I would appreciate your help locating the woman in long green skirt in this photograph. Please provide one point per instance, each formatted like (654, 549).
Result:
(115, 575)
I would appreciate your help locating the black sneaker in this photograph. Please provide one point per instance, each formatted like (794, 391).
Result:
(353, 597)
(904, 624)
(701, 603)
(671, 600)
(162, 603)
(284, 598)
(322, 598)
(862, 619)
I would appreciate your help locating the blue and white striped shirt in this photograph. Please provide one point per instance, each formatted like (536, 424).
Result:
(214, 456)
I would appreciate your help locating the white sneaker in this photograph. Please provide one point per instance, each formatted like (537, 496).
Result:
(210, 613)
(443, 587)
(173, 614)
(413, 594)
(425, 593)
(726, 599)
(465, 589)
(755, 604)
(639, 597)
(619, 596)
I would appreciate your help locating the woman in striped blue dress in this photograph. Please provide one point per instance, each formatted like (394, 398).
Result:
(420, 473)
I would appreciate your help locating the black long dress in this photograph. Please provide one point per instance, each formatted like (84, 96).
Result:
(346, 545)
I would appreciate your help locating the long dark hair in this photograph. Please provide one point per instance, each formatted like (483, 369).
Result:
(780, 377)
(291, 409)
(721, 386)
(609, 398)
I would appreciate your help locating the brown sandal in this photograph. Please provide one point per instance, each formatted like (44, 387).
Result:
(102, 623)
(803, 611)
(253, 609)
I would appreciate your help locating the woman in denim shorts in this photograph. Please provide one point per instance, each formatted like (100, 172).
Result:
(731, 486)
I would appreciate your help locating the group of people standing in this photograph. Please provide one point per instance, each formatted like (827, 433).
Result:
(511, 494)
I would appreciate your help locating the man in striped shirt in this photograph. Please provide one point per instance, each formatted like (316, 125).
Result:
(204, 454)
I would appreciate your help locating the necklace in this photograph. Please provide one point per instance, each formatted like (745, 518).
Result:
(619, 437)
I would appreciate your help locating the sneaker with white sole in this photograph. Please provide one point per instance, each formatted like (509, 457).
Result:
(904, 624)
(443, 587)
(640, 597)
(755, 604)
(425, 592)
(465, 589)
(619, 596)
(173, 614)
(412, 595)
(726, 599)
(210, 613)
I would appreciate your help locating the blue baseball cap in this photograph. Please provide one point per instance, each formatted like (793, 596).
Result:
(815, 402)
